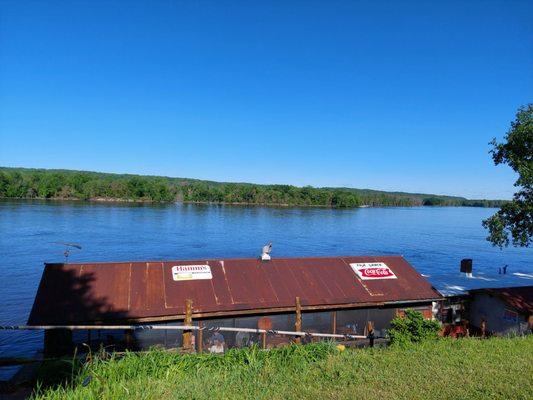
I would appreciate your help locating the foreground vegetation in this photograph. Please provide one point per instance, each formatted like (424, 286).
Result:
(83, 185)
(436, 369)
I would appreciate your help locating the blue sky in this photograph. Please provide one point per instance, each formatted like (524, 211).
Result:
(396, 95)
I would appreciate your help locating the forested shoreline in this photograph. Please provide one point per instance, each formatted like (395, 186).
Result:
(25, 183)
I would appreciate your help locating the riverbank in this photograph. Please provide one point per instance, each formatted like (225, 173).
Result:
(139, 201)
(145, 201)
(497, 368)
(215, 203)
(26, 183)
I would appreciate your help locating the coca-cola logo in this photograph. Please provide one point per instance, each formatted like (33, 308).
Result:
(375, 270)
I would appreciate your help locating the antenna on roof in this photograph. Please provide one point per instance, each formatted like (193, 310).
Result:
(265, 255)
(68, 249)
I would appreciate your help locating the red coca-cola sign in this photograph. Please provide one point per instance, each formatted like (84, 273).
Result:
(368, 271)
(376, 272)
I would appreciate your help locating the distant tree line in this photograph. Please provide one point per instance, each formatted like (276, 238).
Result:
(26, 183)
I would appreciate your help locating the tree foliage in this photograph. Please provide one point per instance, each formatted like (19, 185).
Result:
(515, 219)
(82, 185)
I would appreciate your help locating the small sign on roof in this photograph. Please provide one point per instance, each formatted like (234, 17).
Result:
(191, 272)
(372, 271)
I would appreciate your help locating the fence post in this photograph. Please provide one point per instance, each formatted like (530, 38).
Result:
(370, 328)
(200, 337)
(264, 340)
(334, 322)
(187, 342)
(298, 320)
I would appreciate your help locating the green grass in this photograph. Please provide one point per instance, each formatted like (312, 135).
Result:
(444, 369)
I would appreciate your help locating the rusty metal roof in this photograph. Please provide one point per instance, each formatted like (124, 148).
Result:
(146, 291)
(520, 297)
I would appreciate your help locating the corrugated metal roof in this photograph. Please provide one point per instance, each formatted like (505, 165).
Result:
(144, 291)
(520, 298)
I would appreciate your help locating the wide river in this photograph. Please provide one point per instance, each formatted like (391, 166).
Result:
(434, 240)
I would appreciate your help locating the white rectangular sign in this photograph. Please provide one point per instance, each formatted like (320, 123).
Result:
(372, 271)
(191, 272)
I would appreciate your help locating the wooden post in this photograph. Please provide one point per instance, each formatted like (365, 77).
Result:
(264, 340)
(298, 320)
(334, 322)
(370, 329)
(483, 327)
(188, 321)
(200, 338)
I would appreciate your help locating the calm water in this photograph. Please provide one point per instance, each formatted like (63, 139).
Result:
(434, 240)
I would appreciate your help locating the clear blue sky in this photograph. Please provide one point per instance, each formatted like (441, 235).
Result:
(394, 95)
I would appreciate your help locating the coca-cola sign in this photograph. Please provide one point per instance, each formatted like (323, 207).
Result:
(372, 271)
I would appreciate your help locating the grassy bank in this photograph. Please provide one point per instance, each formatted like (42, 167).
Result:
(444, 369)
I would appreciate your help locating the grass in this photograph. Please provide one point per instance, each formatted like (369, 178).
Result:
(444, 369)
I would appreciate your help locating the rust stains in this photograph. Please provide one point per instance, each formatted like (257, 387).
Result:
(146, 291)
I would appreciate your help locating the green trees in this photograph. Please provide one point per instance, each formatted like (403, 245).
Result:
(344, 199)
(434, 201)
(82, 185)
(515, 218)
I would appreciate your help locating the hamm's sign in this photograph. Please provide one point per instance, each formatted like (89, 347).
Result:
(372, 271)
(191, 272)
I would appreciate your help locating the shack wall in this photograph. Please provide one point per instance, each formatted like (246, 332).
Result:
(350, 321)
(500, 318)
(345, 321)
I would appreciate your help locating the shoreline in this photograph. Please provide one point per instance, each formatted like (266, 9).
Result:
(283, 205)
(144, 201)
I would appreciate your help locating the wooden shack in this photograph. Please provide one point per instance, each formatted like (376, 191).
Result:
(334, 294)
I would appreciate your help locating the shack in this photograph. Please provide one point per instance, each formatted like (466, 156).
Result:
(335, 294)
(501, 311)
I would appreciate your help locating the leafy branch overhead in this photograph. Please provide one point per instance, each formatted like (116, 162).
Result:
(514, 221)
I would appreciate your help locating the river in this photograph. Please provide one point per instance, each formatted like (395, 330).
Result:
(433, 239)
